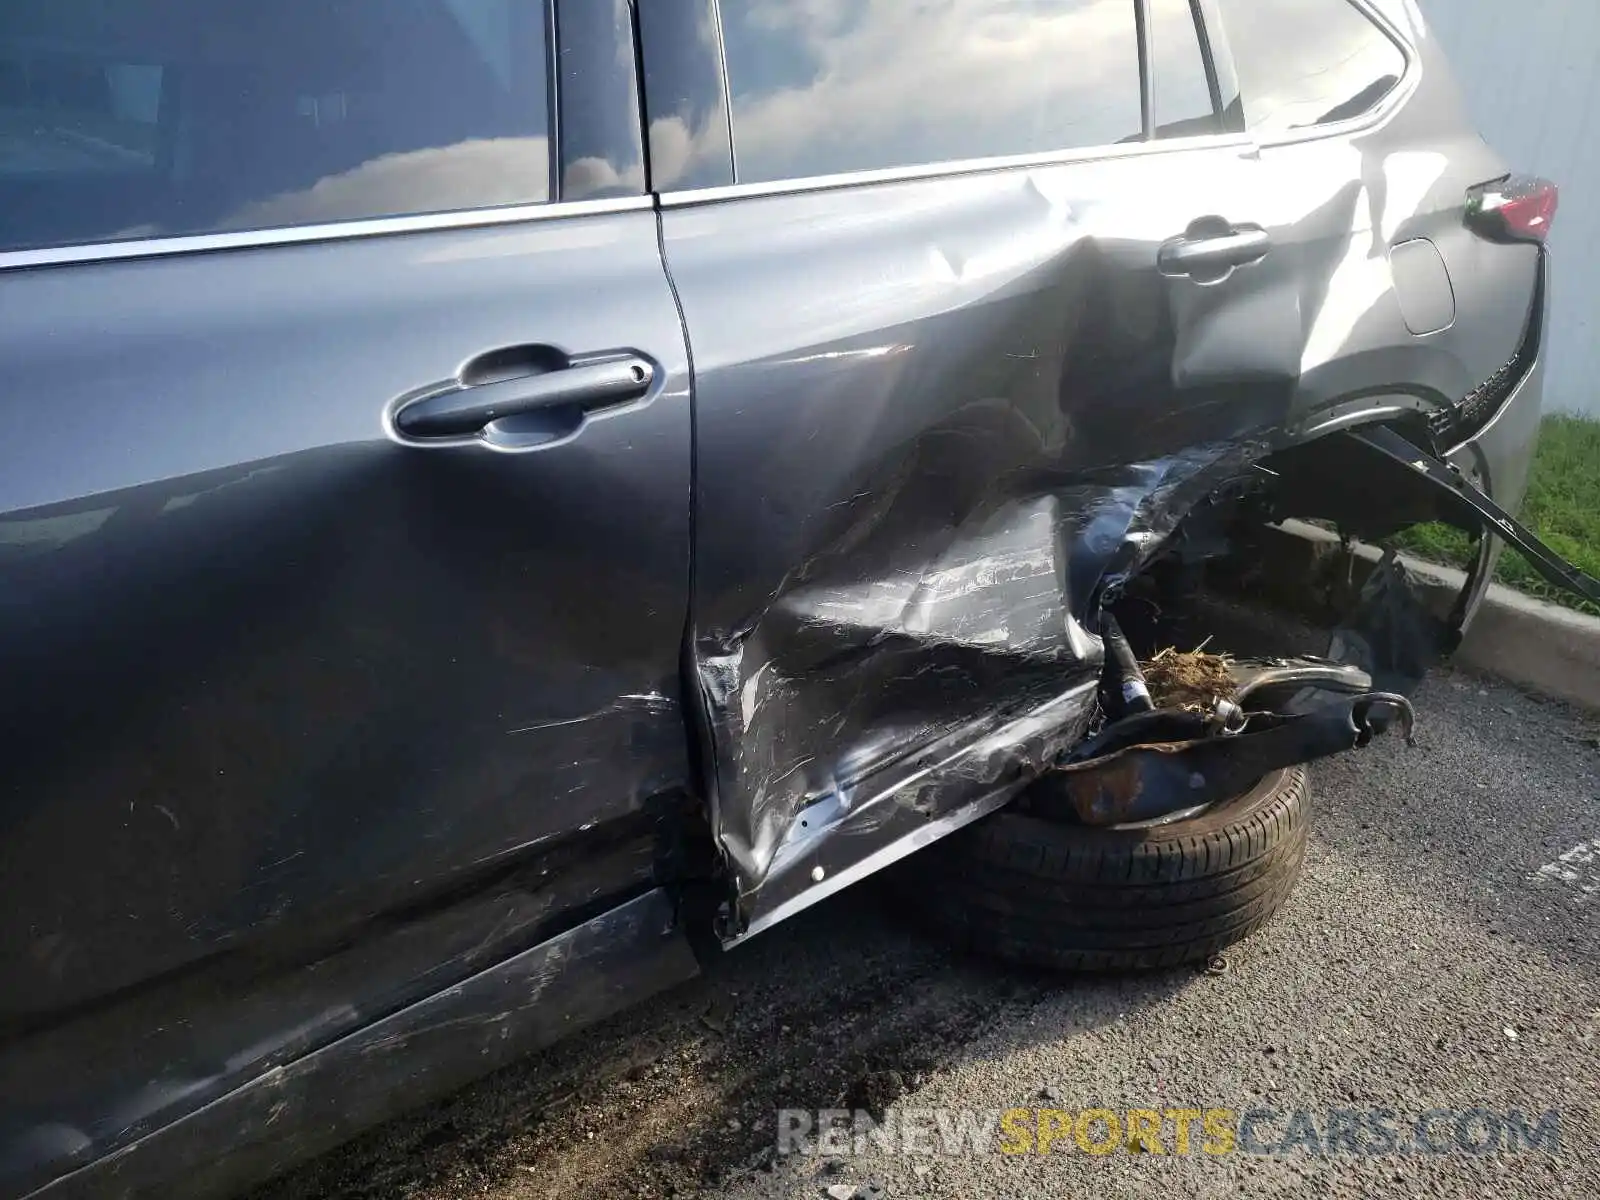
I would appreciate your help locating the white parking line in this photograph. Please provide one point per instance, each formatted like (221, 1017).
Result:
(1578, 868)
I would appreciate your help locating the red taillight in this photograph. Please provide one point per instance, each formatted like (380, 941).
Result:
(1518, 208)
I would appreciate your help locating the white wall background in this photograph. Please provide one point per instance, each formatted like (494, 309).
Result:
(1531, 73)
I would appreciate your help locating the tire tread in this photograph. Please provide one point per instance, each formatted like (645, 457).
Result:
(1072, 898)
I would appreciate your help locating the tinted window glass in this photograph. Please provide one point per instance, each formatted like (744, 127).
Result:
(158, 117)
(1304, 63)
(602, 146)
(688, 113)
(852, 85)
(1182, 90)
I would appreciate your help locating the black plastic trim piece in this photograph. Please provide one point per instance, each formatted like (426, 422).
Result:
(1473, 505)
(425, 1050)
(1460, 421)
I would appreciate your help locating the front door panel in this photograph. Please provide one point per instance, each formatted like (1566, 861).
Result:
(268, 672)
(302, 719)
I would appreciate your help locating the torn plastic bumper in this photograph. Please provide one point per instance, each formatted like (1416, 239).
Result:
(1477, 509)
(1161, 764)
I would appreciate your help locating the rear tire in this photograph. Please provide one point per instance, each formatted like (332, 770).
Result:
(1074, 898)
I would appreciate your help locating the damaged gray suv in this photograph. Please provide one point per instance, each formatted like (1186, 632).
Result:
(504, 499)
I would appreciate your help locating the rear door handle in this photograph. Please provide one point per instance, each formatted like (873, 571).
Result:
(556, 402)
(1210, 256)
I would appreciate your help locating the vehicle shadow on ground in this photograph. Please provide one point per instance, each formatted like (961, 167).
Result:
(846, 1006)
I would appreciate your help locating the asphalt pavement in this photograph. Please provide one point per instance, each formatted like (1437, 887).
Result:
(1437, 963)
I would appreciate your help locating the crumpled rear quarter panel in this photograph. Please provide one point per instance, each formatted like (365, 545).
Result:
(936, 418)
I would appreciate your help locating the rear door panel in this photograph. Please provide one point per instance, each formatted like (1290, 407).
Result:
(935, 418)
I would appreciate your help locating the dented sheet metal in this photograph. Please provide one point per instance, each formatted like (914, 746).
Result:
(911, 802)
(922, 461)
(938, 421)
(990, 628)
(827, 714)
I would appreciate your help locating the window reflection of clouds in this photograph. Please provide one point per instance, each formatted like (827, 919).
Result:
(280, 114)
(826, 86)
(676, 152)
(1182, 93)
(480, 174)
(1300, 60)
(689, 140)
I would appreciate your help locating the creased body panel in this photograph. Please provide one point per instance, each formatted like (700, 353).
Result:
(934, 421)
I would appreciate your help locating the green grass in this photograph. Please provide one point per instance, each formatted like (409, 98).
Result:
(1563, 508)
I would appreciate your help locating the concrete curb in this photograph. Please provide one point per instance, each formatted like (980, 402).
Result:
(1524, 641)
